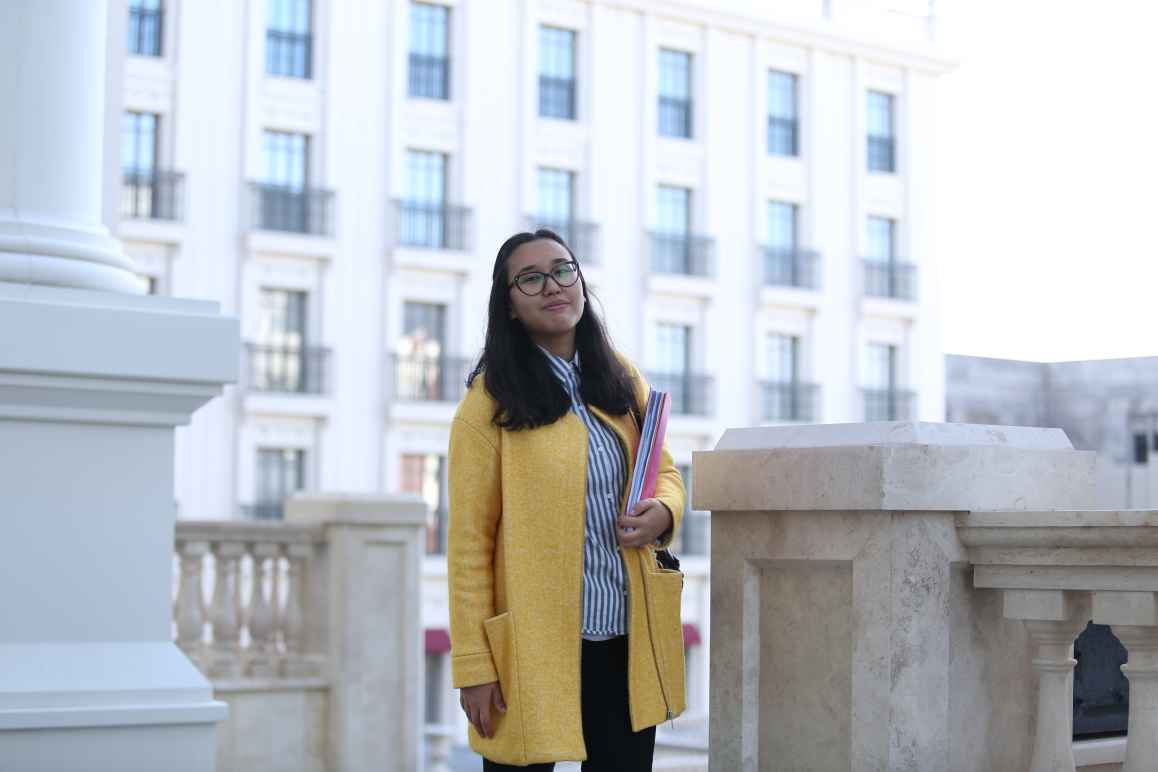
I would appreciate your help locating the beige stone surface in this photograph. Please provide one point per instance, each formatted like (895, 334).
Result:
(846, 633)
(273, 728)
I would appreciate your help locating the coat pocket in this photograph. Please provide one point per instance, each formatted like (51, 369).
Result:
(665, 589)
(506, 745)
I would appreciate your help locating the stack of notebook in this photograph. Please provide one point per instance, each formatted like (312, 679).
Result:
(650, 444)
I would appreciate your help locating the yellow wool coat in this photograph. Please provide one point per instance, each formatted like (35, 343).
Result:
(515, 562)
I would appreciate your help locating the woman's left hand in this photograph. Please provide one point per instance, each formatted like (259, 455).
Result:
(649, 518)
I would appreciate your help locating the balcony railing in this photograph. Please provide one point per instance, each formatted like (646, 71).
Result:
(144, 31)
(425, 379)
(263, 510)
(789, 267)
(288, 369)
(675, 117)
(288, 54)
(432, 225)
(582, 237)
(293, 210)
(682, 253)
(890, 279)
(557, 97)
(882, 154)
(691, 393)
(888, 404)
(429, 76)
(788, 401)
(149, 194)
(783, 136)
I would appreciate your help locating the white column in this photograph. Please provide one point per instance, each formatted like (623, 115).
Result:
(52, 87)
(93, 381)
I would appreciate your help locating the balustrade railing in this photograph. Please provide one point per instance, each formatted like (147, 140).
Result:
(240, 604)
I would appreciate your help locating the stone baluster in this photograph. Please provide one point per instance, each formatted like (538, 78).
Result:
(1133, 616)
(1053, 619)
(293, 627)
(190, 611)
(1142, 670)
(225, 616)
(261, 616)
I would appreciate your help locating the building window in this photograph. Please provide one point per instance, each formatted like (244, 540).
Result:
(139, 143)
(695, 531)
(1141, 449)
(280, 359)
(425, 474)
(783, 118)
(284, 200)
(280, 473)
(881, 366)
(424, 214)
(556, 73)
(429, 47)
(785, 397)
(783, 358)
(288, 40)
(884, 399)
(435, 665)
(782, 226)
(144, 31)
(673, 345)
(881, 133)
(881, 232)
(556, 194)
(675, 93)
(673, 219)
(423, 370)
(285, 159)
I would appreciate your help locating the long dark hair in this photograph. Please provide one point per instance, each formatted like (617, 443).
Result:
(517, 374)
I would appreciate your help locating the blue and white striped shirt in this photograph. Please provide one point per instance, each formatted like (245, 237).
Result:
(604, 594)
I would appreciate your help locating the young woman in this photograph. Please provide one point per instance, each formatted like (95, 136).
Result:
(566, 639)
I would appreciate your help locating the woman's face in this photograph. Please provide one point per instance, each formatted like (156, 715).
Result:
(557, 309)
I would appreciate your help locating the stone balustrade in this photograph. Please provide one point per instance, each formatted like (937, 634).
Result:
(1056, 571)
(309, 630)
(850, 628)
(253, 574)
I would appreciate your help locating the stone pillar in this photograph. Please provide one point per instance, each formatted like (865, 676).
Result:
(846, 633)
(367, 588)
(52, 83)
(93, 381)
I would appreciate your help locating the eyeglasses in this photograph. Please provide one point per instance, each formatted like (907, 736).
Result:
(534, 282)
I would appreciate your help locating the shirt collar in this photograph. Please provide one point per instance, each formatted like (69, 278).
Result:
(562, 364)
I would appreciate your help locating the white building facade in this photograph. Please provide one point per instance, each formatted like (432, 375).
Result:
(749, 192)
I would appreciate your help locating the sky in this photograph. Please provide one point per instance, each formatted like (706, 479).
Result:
(1046, 176)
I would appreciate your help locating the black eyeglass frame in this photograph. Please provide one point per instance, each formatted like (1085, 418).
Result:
(547, 275)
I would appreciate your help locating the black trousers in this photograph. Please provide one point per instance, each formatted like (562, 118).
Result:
(611, 745)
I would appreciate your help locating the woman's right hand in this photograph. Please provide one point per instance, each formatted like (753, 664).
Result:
(476, 702)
